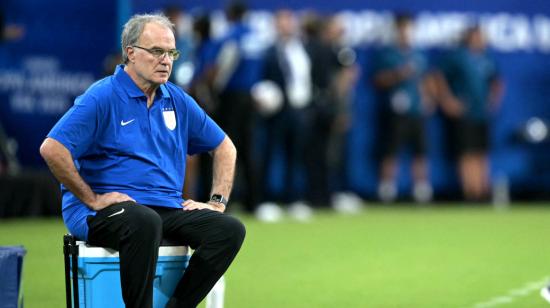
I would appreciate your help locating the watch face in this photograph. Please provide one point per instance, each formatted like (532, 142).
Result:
(218, 198)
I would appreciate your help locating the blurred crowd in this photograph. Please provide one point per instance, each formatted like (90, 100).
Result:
(287, 108)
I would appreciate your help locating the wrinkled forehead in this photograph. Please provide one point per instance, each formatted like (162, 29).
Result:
(157, 35)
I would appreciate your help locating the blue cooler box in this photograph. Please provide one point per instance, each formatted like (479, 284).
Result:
(11, 266)
(99, 275)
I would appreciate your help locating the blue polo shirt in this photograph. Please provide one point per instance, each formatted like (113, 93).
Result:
(404, 97)
(470, 75)
(119, 144)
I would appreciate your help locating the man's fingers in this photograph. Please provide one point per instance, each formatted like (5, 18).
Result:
(187, 202)
(193, 206)
(125, 197)
(116, 197)
(119, 197)
(190, 205)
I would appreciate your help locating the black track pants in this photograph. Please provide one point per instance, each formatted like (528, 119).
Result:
(136, 232)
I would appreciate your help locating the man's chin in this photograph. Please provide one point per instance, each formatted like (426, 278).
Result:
(161, 77)
(161, 80)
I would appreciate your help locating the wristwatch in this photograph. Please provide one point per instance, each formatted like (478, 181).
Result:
(219, 199)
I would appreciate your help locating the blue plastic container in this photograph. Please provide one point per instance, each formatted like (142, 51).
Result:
(11, 266)
(99, 275)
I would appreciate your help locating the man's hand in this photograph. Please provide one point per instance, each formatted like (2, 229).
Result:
(452, 107)
(189, 205)
(104, 200)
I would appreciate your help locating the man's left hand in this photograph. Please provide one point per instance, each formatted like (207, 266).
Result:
(189, 205)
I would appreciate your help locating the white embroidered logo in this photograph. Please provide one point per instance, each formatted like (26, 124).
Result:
(126, 123)
(116, 213)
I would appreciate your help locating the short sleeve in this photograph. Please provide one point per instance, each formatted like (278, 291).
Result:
(204, 134)
(77, 128)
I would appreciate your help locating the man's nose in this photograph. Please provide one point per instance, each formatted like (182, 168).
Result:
(165, 59)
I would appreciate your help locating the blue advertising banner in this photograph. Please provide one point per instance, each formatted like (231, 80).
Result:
(58, 55)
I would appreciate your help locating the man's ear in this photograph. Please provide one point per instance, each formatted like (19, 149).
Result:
(130, 53)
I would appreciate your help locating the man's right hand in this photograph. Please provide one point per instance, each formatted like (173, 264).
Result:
(453, 107)
(104, 200)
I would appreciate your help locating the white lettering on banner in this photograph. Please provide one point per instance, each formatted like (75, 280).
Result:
(542, 32)
(367, 27)
(40, 86)
(441, 30)
(11, 79)
(506, 32)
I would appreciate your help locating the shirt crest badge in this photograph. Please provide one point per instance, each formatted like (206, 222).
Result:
(169, 118)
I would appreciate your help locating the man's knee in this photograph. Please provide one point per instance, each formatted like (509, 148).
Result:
(146, 223)
(234, 230)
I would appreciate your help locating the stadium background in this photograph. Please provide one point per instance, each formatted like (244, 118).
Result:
(65, 43)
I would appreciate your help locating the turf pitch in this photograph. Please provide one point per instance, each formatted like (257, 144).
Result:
(398, 256)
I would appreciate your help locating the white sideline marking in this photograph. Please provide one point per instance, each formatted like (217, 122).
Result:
(513, 294)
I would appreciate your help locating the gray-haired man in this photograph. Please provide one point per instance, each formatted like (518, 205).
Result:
(129, 135)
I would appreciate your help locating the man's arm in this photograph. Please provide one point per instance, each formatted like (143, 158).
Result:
(388, 78)
(449, 103)
(60, 162)
(224, 158)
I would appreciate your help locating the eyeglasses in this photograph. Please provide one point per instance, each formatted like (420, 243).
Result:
(159, 53)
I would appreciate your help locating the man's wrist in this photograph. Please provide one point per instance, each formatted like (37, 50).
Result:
(91, 201)
(218, 198)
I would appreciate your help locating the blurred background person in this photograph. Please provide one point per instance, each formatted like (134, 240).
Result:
(183, 69)
(202, 89)
(183, 74)
(399, 78)
(334, 74)
(470, 88)
(237, 69)
(288, 65)
(204, 56)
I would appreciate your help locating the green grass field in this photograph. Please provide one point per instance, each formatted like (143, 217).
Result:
(439, 256)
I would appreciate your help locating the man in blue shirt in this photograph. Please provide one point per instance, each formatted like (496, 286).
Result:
(470, 89)
(120, 152)
(237, 69)
(400, 79)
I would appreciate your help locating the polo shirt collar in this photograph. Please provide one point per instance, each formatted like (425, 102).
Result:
(130, 86)
(164, 91)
